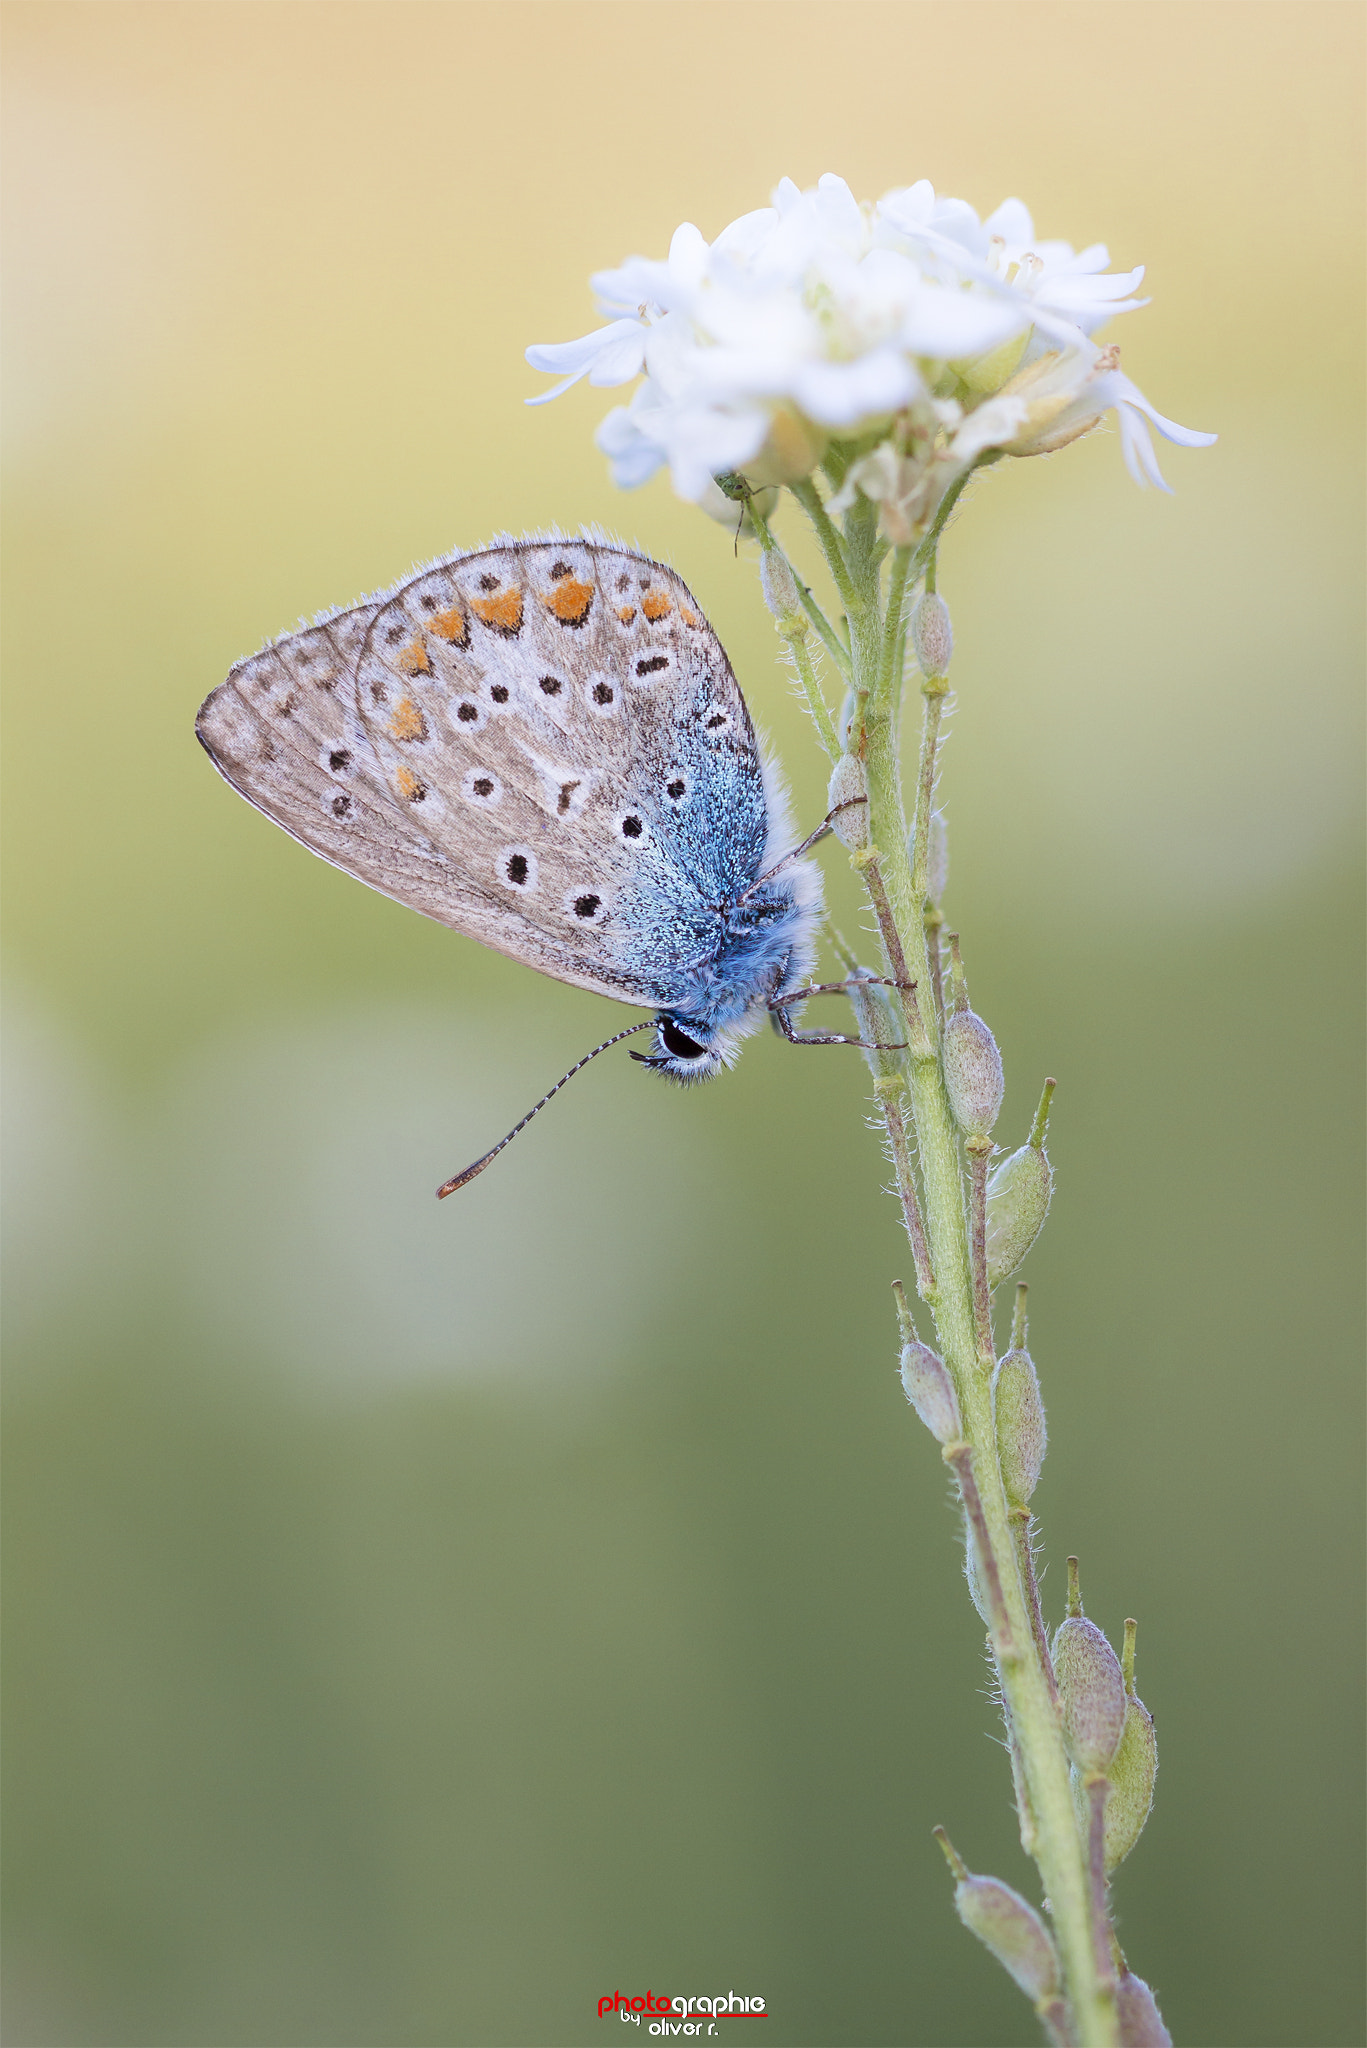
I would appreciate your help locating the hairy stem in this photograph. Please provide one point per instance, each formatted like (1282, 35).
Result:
(898, 899)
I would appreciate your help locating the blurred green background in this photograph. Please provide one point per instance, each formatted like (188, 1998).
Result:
(423, 1621)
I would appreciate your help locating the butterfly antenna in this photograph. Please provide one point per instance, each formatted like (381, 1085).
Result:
(449, 1187)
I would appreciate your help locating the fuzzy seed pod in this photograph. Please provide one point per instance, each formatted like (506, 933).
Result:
(779, 586)
(937, 857)
(1021, 1435)
(932, 636)
(930, 1391)
(848, 786)
(1091, 1691)
(973, 1073)
(1141, 2023)
(1018, 1193)
(1131, 1772)
(1013, 1930)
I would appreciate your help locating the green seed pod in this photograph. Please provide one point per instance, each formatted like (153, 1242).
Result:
(973, 1073)
(1091, 1686)
(932, 636)
(849, 786)
(1141, 2023)
(1018, 1192)
(1013, 1930)
(1021, 1435)
(1132, 1770)
(930, 1391)
(779, 586)
(1019, 1188)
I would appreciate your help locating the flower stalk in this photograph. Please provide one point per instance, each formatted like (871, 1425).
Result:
(946, 1221)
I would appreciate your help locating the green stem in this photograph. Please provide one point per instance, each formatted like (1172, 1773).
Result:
(809, 498)
(886, 865)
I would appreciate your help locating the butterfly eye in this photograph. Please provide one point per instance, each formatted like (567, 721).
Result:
(716, 721)
(499, 693)
(652, 665)
(601, 696)
(676, 789)
(482, 787)
(631, 826)
(588, 905)
(678, 1042)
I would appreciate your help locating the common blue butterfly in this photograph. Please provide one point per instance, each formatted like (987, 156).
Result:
(542, 745)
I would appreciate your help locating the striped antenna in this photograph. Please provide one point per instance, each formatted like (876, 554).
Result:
(449, 1187)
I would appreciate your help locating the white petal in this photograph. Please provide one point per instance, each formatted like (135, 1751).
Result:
(839, 394)
(622, 359)
(687, 259)
(572, 358)
(1137, 449)
(949, 323)
(1013, 223)
(640, 281)
(1185, 437)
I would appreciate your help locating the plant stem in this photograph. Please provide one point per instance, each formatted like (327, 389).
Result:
(966, 1346)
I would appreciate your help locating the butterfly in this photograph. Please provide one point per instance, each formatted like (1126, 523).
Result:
(542, 745)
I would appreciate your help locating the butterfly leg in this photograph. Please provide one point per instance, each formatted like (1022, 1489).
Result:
(783, 1023)
(826, 826)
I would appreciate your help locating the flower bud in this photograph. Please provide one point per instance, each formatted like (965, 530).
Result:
(779, 586)
(1141, 2023)
(1019, 1188)
(849, 786)
(1021, 1435)
(932, 636)
(930, 1391)
(1091, 1686)
(1006, 1924)
(973, 1073)
(937, 857)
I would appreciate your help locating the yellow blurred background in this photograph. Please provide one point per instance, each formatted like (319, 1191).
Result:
(423, 1621)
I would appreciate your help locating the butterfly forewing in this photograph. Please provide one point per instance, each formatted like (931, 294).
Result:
(529, 744)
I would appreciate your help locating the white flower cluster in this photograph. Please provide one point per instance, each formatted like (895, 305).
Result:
(910, 328)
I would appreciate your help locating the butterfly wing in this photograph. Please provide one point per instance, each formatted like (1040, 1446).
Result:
(541, 745)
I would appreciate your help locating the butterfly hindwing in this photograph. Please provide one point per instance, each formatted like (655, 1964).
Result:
(545, 749)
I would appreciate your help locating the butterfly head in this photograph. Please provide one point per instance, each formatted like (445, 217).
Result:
(688, 1051)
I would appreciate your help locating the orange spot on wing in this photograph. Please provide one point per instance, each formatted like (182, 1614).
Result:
(570, 600)
(408, 722)
(689, 618)
(411, 788)
(655, 604)
(413, 659)
(503, 611)
(626, 613)
(449, 625)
